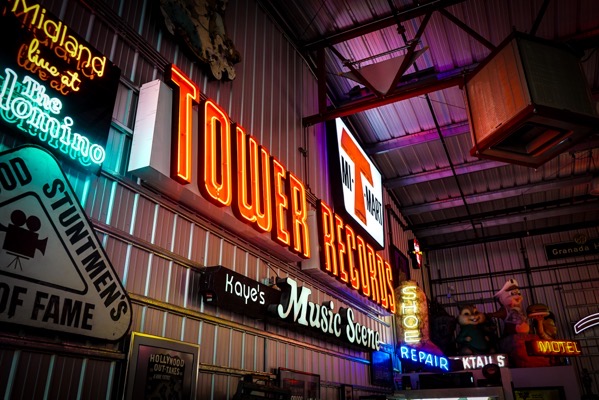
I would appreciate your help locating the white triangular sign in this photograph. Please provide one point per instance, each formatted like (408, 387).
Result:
(381, 75)
(54, 273)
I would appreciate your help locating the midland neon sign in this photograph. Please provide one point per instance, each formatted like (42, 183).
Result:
(65, 46)
(55, 88)
(25, 105)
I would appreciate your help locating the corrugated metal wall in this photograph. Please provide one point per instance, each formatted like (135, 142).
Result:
(153, 242)
(569, 286)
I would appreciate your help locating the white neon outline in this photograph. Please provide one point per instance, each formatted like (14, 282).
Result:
(580, 325)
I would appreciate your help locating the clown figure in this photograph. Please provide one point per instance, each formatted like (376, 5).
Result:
(514, 318)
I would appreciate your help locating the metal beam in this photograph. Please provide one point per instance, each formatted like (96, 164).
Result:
(403, 92)
(441, 173)
(505, 220)
(378, 24)
(495, 195)
(429, 245)
(413, 139)
(502, 212)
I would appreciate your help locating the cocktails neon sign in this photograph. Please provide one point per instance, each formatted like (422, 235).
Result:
(26, 105)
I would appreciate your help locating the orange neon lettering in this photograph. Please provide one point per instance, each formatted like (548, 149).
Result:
(188, 93)
(363, 261)
(362, 167)
(391, 292)
(341, 251)
(262, 188)
(329, 256)
(253, 199)
(280, 234)
(372, 272)
(354, 275)
(381, 279)
(216, 155)
(244, 207)
(299, 216)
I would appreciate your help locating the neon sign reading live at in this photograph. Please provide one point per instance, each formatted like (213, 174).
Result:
(25, 104)
(55, 35)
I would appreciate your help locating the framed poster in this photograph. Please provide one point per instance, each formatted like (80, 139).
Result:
(381, 369)
(400, 266)
(540, 393)
(347, 392)
(161, 368)
(303, 386)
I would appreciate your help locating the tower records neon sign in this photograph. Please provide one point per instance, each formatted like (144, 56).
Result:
(223, 172)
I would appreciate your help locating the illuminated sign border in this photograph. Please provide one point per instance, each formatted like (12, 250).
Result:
(585, 323)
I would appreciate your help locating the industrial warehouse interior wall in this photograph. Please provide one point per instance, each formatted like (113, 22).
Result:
(568, 284)
(155, 244)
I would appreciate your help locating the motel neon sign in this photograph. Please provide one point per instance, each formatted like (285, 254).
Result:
(553, 348)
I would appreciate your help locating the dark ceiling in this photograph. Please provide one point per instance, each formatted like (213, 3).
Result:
(417, 131)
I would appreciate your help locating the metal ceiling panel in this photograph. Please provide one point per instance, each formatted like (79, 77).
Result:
(422, 142)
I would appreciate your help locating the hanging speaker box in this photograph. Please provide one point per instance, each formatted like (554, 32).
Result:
(528, 103)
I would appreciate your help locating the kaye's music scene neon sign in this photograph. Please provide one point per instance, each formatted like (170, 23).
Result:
(55, 87)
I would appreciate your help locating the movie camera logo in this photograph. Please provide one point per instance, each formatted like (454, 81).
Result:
(22, 239)
(54, 272)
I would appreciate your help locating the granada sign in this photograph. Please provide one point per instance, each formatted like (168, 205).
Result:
(190, 149)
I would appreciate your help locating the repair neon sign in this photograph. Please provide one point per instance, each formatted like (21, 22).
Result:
(423, 357)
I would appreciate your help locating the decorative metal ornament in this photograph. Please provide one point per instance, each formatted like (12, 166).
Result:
(200, 25)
